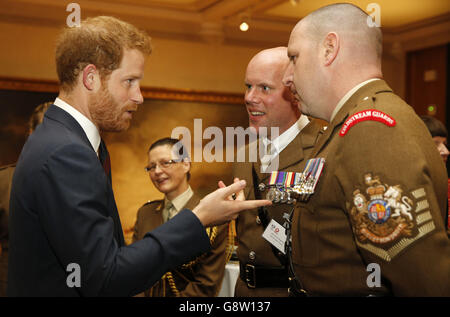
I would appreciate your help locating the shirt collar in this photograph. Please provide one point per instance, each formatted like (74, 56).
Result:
(348, 95)
(181, 200)
(283, 140)
(88, 127)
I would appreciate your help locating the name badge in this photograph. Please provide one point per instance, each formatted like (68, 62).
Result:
(275, 234)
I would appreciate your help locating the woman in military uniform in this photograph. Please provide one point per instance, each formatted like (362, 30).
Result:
(169, 171)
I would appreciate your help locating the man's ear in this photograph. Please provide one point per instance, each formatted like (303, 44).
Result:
(186, 165)
(90, 76)
(330, 48)
(186, 168)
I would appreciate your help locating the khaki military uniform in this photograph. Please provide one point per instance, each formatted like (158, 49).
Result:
(378, 207)
(261, 272)
(201, 277)
(6, 175)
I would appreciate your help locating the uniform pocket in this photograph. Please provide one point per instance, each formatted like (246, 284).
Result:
(305, 240)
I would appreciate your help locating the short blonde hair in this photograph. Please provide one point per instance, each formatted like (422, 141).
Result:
(100, 41)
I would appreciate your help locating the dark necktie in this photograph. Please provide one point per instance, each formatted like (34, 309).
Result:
(104, 159)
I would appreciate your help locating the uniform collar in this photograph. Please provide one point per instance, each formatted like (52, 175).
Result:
(361, 94)
(283, 140)
(347, 96)
(181, 200)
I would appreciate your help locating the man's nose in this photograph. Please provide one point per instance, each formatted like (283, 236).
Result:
(137, 97)
(443, 150)
(251, 96)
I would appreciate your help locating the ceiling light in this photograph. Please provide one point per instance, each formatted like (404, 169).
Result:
(244, 26)
(244, 19)
(294, 2)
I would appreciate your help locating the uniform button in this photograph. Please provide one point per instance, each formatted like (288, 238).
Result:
(252, 255)
(258, 221)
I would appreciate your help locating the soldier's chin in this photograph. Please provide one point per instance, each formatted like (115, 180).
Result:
(256, 128)
(165, 187)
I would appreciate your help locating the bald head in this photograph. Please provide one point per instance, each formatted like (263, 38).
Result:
(350, 22)
(276, 56)
(332, 50)
(269, 103)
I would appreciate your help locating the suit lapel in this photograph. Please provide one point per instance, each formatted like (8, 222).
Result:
(325, 136)
(244, 170)
(291, 154)
(58, 114)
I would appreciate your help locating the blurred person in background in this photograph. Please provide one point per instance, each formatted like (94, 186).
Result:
(6, 175)
(439, 134)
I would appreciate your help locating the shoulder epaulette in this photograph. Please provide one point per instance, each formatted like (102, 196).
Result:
(152, 202)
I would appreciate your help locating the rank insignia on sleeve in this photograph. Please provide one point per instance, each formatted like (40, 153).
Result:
(365, 115)
(386, 219)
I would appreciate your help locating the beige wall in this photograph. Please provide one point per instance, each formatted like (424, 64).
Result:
(28, 51)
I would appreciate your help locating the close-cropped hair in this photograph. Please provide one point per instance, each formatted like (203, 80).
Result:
(349, 17)
(180, 150)
(436, 127)
(100, 41)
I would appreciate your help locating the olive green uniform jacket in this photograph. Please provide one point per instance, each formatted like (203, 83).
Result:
(203, 276)
(375, 222)
(253, 249)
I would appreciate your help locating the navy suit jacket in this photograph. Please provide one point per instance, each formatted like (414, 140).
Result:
(62, 211)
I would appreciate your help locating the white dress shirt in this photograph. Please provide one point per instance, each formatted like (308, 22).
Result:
(89, 128)
(279, 143)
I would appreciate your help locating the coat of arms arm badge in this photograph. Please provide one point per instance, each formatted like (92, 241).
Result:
(386, 219)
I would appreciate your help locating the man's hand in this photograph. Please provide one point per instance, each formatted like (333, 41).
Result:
(240, 196)
(217, 207)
